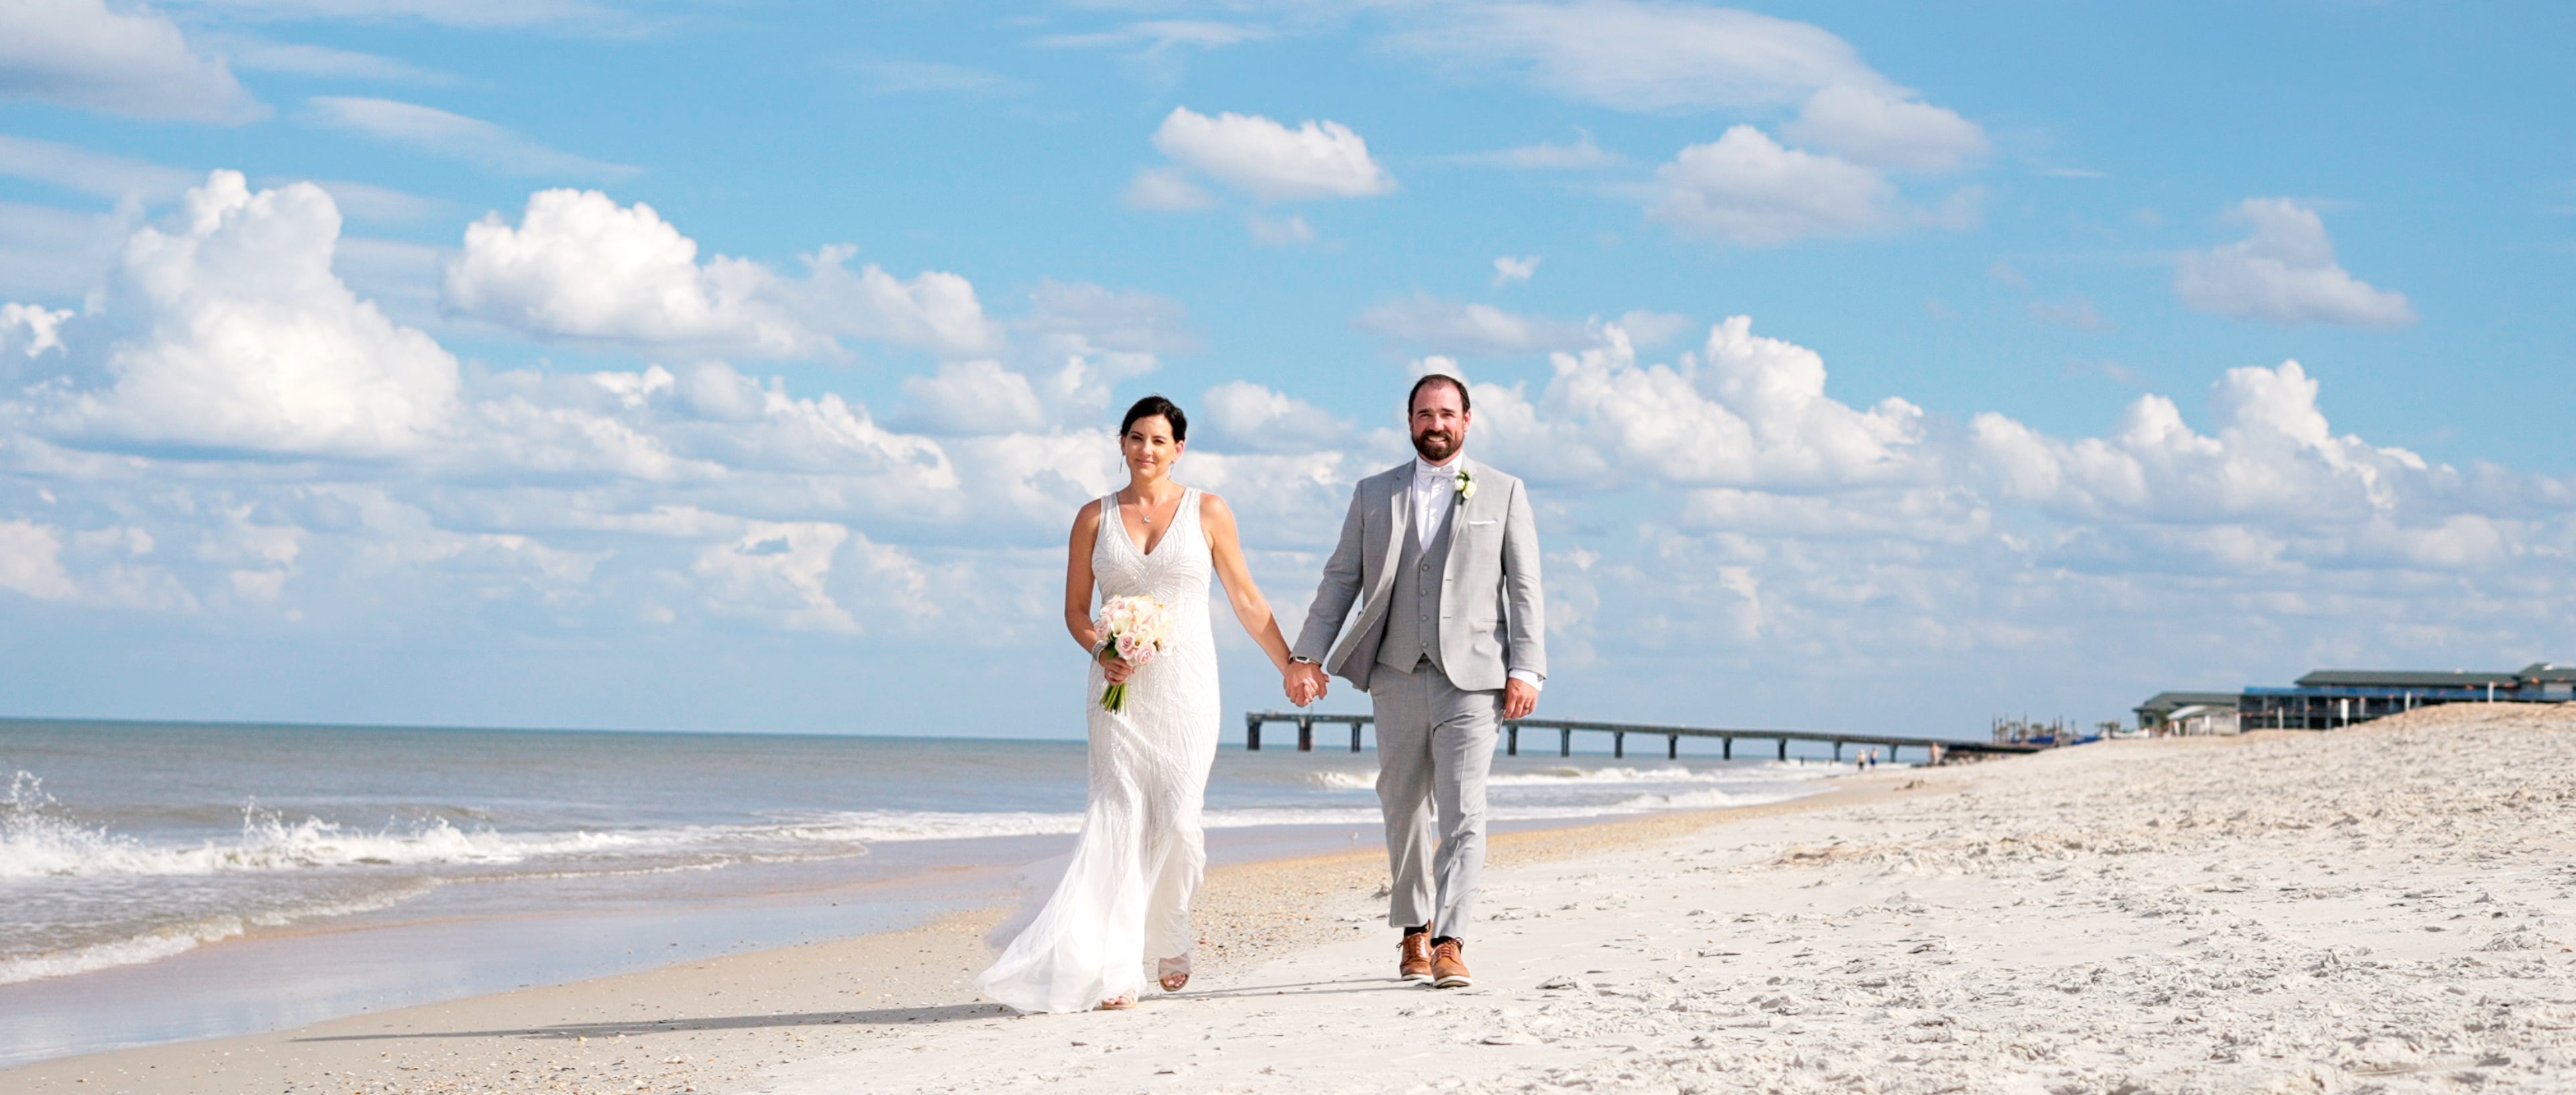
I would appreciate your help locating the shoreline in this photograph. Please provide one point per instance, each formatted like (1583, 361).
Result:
(710, 846)
(2379, 909)
(1248, 912)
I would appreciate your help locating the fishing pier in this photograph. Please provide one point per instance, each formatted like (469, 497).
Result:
(1934, 750)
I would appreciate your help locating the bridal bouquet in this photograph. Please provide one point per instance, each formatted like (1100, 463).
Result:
(1137, 628)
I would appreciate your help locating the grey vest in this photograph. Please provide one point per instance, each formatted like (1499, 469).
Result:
(1413, 606)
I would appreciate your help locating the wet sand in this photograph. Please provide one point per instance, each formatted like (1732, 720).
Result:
(722, 1024)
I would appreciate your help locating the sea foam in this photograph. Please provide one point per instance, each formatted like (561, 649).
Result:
(38, 839)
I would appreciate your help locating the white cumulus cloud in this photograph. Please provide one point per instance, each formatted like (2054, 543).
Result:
(1241, 416)
(777, 572)
(1270, 161)
(31, 329)
(2273, 456)
(1509, 269)
(1744, 410)
(2284, 273)
(578, 265)
(31, 561)
(251, 342)
(1746, 188)
(1666, 57)
(1874, 126)
(1725, 501)
(977, 397)
(935, 310)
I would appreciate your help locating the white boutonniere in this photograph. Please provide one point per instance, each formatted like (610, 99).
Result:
(1466, 485)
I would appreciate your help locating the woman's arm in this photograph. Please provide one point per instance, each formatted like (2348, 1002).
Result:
(1077, 590)
(1077, 576)
(1249, 606)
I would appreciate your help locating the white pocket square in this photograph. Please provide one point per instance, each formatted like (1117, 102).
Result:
(1472, 523)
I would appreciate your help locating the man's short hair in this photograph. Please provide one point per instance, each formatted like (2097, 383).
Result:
(1429, 379)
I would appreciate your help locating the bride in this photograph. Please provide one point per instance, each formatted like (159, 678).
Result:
(1125, 896)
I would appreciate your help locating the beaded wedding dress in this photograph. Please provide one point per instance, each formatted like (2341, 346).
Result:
(1123, 904)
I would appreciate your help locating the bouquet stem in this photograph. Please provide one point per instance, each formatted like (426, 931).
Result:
(1134, 628)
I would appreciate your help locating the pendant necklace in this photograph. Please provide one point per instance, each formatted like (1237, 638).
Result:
(1144, 507)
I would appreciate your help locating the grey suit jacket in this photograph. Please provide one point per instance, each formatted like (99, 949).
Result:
(1492, 616)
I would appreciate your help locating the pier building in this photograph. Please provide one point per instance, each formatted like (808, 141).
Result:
(2329, 698)
(2188, 713)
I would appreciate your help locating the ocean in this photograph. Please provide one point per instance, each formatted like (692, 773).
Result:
(161, 881)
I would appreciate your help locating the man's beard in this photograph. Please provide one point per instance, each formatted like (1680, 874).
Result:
(1436, 445)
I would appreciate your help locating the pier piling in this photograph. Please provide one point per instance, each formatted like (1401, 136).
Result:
(1935, 750)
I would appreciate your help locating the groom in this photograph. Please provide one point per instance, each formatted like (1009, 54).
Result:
(1441, 555)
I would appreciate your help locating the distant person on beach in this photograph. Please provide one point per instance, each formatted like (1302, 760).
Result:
(1440, 556)
(1124, 900)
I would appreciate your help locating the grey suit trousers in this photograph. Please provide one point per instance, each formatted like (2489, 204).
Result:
(1435, 746)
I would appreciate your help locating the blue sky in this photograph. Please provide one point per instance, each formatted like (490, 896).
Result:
(738, 367)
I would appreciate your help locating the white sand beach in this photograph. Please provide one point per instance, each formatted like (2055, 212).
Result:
(2385, 908)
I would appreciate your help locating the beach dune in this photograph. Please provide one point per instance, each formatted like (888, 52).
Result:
(2389, 907)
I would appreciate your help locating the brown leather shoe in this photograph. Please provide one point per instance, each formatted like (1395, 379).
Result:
(1414, 965)
(1448, 967)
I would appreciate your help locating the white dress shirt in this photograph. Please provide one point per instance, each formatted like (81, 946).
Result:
(1435, 493)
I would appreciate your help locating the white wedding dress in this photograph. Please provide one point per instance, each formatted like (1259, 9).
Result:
(1124, 901)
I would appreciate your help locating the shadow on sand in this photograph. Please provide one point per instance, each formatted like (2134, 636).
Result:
(944, 1013)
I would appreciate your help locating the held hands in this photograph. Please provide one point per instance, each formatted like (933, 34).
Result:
(1305, 683)
(1519, 698)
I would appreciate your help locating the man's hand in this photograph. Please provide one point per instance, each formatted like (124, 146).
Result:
(1306, 683)
(1520, 697)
